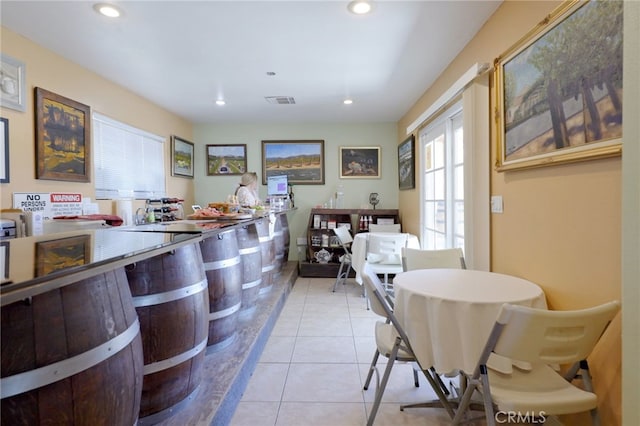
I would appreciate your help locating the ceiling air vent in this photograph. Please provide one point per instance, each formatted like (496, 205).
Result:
(280, 100)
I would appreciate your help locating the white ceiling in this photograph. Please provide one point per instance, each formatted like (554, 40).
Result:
(183, 55)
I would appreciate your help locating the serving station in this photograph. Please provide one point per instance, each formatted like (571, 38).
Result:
(121, 325)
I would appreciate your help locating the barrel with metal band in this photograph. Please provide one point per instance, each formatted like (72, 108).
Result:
(268, 251)
(73, 355)
(170, 294)
(281, 238)
(251, 257)
(223, 269)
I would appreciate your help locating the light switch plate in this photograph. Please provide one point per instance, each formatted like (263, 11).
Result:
(496, 204)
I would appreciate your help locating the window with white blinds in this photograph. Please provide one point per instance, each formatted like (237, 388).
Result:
(128, 162)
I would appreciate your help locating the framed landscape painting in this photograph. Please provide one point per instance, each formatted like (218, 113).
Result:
(359, 162)
(559, 89)
(181, 157)
(302, 161)
(226, 159)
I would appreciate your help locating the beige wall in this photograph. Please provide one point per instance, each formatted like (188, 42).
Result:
(51, 72)
(561, 225)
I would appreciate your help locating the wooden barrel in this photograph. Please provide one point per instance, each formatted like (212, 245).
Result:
(268, 251)
(170, 294)
(281, 240)
(251, 257)
(223, 268)
(73, 355)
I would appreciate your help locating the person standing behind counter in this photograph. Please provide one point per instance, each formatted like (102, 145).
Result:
(247, 190)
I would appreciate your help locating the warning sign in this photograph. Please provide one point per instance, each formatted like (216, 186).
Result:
(50, 204)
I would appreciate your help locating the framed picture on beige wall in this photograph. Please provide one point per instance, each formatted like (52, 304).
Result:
(559, 89)
(182, 152)
(63, 137)
(12, 83)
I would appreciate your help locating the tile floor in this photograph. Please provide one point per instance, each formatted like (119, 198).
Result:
(315, 362)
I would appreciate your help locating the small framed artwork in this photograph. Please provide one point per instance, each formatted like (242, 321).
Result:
(406, 164)
(226, 159)
(4, 150)
(559, 89)
(302, 161)
(181, 157)
(52, 256)
(63, 138)
(360, 162)
(12, 84)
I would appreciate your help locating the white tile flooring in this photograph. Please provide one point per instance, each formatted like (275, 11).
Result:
(314, 365)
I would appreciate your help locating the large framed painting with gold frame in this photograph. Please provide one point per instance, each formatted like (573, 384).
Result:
(63, 137)
(559, 89)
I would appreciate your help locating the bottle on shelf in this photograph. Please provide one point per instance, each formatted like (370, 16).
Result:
(361, 226)
(166, 200)
(340, 197)
(165, 209)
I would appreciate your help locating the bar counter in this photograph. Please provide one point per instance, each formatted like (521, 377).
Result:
(72, 300)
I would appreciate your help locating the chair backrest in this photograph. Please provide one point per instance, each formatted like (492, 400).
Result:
(381, 302)
(395, 227)
(549, 337)
(428, 259)
(386, 248)
(343, 234)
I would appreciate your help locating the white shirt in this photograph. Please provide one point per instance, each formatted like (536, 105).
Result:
(247, 196)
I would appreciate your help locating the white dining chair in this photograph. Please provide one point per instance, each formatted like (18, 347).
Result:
(345, 238)
(395, 227)
(391, 342)
(542, 339)
(384, 254)
(451, 258)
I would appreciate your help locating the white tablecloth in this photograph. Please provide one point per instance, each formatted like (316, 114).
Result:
(359, 249)
(448, 313)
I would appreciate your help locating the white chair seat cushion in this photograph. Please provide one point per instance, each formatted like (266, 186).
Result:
(379, 268)
(538, 389)
(386, 338)
(384, 259)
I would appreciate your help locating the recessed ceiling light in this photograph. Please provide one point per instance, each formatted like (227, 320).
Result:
(347, 101)
(220, 102)
(359, 7)
(271, 73)
(107, 10)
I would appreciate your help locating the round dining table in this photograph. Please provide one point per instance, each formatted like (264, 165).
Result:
(448, 313)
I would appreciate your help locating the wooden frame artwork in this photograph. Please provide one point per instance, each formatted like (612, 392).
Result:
(12, 84)
(559, 89)
(4, 151)
(54, 255)
(182, 152)
(360, 162)
(302, 161)
(406, 164)
(226, 160)
(63, 137)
